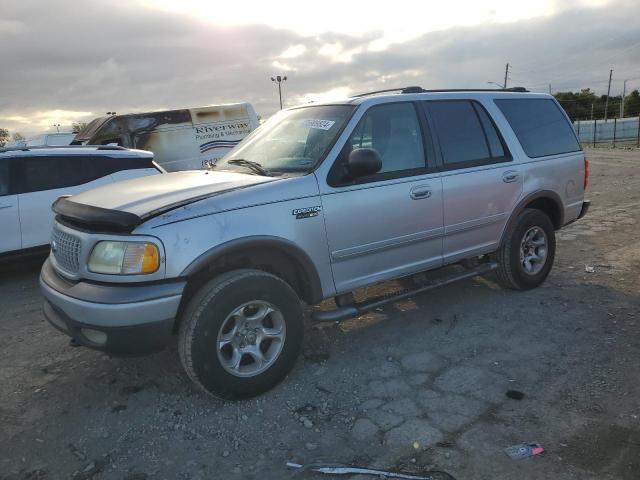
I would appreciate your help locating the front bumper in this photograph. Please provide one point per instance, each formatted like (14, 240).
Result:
(120, 319)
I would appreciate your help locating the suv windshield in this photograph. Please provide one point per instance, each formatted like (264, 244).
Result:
(290, 141)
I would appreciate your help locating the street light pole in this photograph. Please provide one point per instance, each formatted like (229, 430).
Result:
(57, 125)
(279, 80)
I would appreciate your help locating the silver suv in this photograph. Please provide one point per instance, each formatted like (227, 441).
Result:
(320, 201)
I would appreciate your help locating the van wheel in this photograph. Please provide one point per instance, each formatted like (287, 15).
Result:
(241, 333)
(527, 253)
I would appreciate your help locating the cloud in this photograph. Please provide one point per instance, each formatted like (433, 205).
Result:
(294, 51)
(119, 56)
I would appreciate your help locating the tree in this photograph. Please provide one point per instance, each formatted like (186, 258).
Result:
(77, 126)
(580, 105)
(18, 137)
(4, 136)
(632, 104)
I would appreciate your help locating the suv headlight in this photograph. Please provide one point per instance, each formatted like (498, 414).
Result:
(124, 258)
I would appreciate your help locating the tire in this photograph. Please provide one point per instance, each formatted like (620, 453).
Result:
(513, 272)
(218, 344)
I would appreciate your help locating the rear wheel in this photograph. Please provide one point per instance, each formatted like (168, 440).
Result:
(241, 334)
(526, 256)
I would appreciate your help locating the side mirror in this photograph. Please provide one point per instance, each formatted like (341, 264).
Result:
(363, 162)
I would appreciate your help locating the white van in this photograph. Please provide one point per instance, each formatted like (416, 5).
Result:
(187, 139)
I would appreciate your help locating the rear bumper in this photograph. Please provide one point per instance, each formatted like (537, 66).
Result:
(585, 208)
(120, 319)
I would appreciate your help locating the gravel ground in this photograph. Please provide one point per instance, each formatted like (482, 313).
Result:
(419, 385)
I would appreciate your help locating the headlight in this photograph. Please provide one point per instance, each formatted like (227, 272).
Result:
(124, 258)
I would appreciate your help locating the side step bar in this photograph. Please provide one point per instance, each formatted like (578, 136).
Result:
(357, 309)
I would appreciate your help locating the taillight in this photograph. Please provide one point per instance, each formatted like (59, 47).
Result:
(586, 173)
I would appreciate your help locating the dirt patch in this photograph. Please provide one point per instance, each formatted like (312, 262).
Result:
(605, 448)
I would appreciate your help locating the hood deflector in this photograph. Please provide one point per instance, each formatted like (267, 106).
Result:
(94, 218)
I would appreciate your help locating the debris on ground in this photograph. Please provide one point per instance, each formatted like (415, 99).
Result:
(523, 450)
(333, 469)
(590, 269)
(515, 394)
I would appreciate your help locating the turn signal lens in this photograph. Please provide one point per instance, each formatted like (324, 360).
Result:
(150, 259)
(124, 258)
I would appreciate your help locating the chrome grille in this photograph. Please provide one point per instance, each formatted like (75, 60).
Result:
(66, 250)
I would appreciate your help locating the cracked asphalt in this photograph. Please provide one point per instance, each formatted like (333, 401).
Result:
(417, 386)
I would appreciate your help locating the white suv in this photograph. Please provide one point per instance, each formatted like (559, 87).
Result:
(31, 179)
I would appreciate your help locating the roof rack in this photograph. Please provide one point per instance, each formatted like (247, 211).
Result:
(55, 147)
(416, 89)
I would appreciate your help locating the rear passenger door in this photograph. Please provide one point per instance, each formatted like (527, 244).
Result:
(46, 178)
(9, 213)
(481, 184)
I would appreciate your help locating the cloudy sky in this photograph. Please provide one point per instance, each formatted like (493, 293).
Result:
(64, 61)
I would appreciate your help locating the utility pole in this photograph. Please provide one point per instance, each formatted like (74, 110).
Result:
(506, 75)
(592, 111)
(624, 94)
(606, 102)
(279, 79)
(549, 89)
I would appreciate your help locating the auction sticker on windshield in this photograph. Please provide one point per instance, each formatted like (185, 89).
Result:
(320, 124)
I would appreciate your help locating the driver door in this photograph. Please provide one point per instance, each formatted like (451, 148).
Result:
(388, 224)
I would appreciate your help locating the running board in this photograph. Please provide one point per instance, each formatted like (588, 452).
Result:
(357, 309)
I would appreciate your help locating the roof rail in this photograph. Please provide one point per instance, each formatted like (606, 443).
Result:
(388, 90)
(416, 89)
(13, 149)
(57, 147)
(106, 147)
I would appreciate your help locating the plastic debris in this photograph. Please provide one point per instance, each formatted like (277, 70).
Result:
(331, 469)
(590, 269)
(524, 450)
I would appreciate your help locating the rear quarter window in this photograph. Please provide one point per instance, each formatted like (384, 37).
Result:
(540, 125)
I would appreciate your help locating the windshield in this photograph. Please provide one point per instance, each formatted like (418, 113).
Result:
(290, 141)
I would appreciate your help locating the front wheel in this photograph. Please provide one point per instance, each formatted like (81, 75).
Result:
(241, 334)
(527, 253)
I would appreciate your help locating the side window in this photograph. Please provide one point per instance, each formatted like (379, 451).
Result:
(541, 127)
(495, 145)
(361, 137)
(467, 135)
(393, 130)
(49, 173)
(4, 176)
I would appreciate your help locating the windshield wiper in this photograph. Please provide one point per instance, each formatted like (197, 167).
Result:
(253, 166)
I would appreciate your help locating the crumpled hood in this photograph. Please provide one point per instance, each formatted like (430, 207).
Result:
(145, 195)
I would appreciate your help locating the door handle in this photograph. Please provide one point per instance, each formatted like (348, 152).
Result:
(420, 192)
(510, 176)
